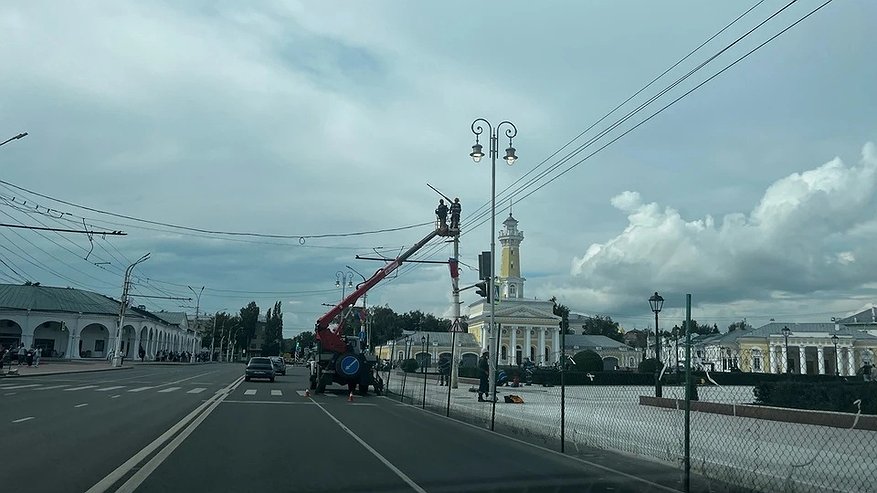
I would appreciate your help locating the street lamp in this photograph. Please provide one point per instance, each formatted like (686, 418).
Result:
(213, 337)
(786, 333)
(343, 280)
(477, 153)
(365, 325)
(656, 302)
(117, 357)
(836, 356)
(19, 136)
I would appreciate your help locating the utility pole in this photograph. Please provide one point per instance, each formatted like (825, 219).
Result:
(455, 280)
(123, 306)
(197, 319)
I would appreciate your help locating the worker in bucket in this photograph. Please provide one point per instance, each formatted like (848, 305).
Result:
(441, 213)
(456, 209)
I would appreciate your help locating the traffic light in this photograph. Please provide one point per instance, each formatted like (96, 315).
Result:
(481, 289)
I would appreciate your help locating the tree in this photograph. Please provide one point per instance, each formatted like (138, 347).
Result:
(600, 325)
(649, 365)
(588, 360)
(249, 316)
(385, 324)
(305, 341)
(561, 311)
(273, 331)
(696, 328)
(741, 325)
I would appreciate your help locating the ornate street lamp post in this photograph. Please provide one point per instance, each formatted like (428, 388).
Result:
(656, 302)
(786, 331)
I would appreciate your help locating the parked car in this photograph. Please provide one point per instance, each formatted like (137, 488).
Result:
(279, 365)
(259, 368)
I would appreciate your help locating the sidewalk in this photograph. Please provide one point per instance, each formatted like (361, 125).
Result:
(59, 368)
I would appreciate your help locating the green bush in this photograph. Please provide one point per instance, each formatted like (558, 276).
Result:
(834, 395)
(409, 365)
(648, 366)
(588, 361)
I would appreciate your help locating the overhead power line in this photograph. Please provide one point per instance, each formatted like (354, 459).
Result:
(62, 230)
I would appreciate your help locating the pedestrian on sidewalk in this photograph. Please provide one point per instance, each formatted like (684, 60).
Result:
(142, 354)
(444, 367)
(22, 354)
(483, 375)
(3, 352)
(37, 355)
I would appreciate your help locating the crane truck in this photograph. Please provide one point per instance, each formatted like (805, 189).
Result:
(342, 359)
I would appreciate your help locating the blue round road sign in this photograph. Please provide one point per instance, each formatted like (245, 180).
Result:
(350, 365)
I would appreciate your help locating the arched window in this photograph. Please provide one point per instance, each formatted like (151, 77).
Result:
(547, 352)
(756, 360)
(513, 291)
(503, 354)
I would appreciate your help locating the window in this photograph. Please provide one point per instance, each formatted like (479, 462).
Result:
(503, 354)
(513, 291)
(756, 360)
(99, 345)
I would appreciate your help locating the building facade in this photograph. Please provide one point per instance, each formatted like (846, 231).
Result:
(428, 347)
(72, 323)
(525, 328)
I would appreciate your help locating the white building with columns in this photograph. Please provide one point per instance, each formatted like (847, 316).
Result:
(527, 328)
(808, 348)
(76, 324)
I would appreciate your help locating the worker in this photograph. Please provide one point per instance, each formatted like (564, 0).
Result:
(442, 213)
(456, 208)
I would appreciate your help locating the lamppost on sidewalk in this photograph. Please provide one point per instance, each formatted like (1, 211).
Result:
(510, 157)
(123, 306)
(213, 337)
(786, 331)
(836, 356)
(656, 302)
(19, 136)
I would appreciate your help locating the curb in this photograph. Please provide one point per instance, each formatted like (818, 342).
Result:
(64, 372)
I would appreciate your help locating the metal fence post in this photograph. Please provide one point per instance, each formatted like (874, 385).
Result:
(562, 389)
(687, 393)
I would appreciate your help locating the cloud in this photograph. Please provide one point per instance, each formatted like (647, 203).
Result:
(810, 232)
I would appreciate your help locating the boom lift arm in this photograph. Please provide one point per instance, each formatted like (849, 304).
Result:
(333, 341)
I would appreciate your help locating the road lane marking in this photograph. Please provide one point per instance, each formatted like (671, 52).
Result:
(115, 396)
(107, 389)
(374, 452)
(196, 390)
(186, 379)
(80, 405)
(302, 393)
(80, 388)
(54, 387)
(22, 420)
(330, 395)
(118, 473)
(276, 392)
(250, 392)
(169, 389)
(140, 476)
(10, 393)
(308, 403)
(140, 389)
(23, 386)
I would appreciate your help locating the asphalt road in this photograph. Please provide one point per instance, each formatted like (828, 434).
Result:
(151, 430)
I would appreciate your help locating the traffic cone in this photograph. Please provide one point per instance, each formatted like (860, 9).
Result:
(350, 397)
(307, 392)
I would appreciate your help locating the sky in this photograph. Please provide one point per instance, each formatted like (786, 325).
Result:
(755, 193)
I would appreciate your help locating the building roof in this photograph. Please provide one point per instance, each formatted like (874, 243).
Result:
(592, 341)
(173, 318)
(442, 338)
(868, 316)
(776, 329)
(65, 300)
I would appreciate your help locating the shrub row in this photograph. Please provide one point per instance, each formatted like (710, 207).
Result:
(836, 395)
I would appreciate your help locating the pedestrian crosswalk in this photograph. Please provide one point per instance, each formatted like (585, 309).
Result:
(160, 389)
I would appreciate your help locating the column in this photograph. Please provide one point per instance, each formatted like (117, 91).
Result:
(512, 344)
(541, 356)
(821, 355)
(527, 343)
(785, 360)
(484, 336)
(72, 345)
(802, 355)
(851, 360)
(772, 354)
(555, 343)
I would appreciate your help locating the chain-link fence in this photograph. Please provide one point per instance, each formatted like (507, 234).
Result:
(749, 431)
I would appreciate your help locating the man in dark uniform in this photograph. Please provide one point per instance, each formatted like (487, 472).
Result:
(483, 375)
(442, 213)
(456, 208)
(444, 369)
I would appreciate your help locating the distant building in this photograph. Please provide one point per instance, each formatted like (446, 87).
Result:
(527, 328)
(73, 323)
(615, 354)
(414, 345)
(865, 321)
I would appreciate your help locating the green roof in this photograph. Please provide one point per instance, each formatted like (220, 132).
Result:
(67, 300)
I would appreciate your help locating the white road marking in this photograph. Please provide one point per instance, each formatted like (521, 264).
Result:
(140, 389)
(10, 393)
(302, 393)
(197, 390)
(330, 395)
(117, 395)
(21, 420)
(268, 402)
(169, 389)
(120, 472)
(250, 392)
(80, 405)
(107, 389)
(23, 386)
(53, 387)
(80, 388)
(276, 392)
(374, 452)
